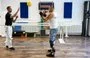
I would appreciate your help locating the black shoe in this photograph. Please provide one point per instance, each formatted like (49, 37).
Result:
(12, 48)
(51, 54)
(7, 47)
(51, 50)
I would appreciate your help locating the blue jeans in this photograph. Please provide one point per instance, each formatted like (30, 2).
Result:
(53, 33)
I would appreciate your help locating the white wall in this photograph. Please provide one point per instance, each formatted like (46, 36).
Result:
(0, 17)
(33, 10)
(77, 15)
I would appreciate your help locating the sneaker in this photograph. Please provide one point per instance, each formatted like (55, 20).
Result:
(7, 47)
(51, 50)
(51, 54)
(12, 48)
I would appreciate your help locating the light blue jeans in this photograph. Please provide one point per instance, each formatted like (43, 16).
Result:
(53, 33)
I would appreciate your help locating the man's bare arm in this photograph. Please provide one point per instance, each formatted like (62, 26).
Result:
(15, 19)
(49, 17)
(15, 13)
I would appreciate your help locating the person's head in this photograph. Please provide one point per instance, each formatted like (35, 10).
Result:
(51, 9)
(9, 9)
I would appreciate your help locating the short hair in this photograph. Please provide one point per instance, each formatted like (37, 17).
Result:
(8, 7)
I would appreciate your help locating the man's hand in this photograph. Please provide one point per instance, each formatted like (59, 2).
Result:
(16, 17)
(15, 13)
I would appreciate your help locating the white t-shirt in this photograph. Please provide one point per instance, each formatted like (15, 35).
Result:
(54, 22)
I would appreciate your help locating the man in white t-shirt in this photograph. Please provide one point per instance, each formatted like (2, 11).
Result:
(52, 17)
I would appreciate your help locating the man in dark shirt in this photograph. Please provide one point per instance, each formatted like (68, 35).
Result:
(8, 23)
(8, 19)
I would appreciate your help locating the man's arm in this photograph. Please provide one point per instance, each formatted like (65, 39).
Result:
(15, 13)
(15, 19)
(49, 17)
